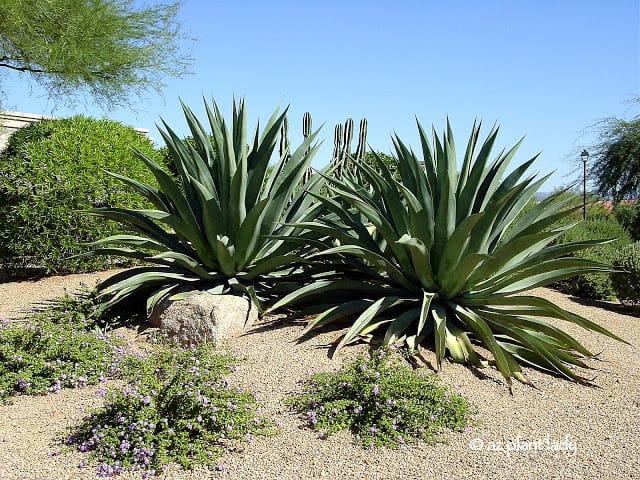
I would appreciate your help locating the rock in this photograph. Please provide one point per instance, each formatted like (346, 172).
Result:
(203, 318)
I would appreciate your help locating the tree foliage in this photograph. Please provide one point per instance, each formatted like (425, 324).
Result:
(109, 50)
(616, 169)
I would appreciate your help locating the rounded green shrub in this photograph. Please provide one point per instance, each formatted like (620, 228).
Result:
(628, 214)
(626, 282)
(50, 171)
(595, 285)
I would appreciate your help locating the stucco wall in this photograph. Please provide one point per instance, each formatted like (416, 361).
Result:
(11, 121)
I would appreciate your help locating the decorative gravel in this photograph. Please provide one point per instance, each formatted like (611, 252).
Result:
(560, 430)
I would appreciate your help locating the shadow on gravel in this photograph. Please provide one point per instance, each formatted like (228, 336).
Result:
(605, 305)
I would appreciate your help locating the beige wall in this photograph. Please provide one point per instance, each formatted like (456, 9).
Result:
(11, 121)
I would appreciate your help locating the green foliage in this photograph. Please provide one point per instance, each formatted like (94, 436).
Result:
(628, 215)
(447, 256)
(373, 158)
(595, 285)
(222, 225)
(57, 348)
(615, 167)
(381, 401)
(51, 169)
(108, 49)
(179, 409)
(626, 282)
(166, 159)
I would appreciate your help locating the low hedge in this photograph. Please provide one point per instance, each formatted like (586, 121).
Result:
(626, 280)
(597, 285)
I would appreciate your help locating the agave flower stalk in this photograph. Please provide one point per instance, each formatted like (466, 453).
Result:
(445, 257)
(220, 225)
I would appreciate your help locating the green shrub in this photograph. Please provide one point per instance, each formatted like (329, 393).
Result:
(51, 169)
(381, 401)
(57, 348)
(179, 409)
(627, 284)
(595, 285)
(628, 214)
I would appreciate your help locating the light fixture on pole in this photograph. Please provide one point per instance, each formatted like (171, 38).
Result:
(584, 156)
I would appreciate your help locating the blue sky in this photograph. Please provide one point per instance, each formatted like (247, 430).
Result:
(546, 70)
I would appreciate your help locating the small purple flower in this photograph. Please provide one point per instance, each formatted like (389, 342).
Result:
(373, 430)
(22, 383)
(376, 390)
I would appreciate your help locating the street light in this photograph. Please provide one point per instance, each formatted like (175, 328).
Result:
(584, 156)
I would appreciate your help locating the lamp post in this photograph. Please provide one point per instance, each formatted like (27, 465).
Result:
(584, 156)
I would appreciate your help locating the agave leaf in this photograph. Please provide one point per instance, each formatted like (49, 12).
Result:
(456, 246)
(225, 255)
(148, 277)
(400, 325)
(543, 307)
(548, 352)
(382, 225)
(532, 324)
(151, 193)
(131, 240)
(158, 295)
(466, 164)
(427, 298)
(420, 257)
(519, 279)
(365, 318)
(272, 264)
(482, 330)
(439, 314)
(453, 285)
(466, 198)
(371, 257)
(326, 286)
(337, 312)
(515, 368)
(135, 220)
(185, 261)
(116, 251)
(249, 234)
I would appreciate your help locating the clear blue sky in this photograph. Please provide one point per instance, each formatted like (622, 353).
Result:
(544, 69)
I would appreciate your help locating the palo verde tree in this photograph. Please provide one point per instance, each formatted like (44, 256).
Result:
(109, 50)
(616, 167)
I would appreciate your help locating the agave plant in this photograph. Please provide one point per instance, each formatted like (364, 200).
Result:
(219, 225)
(446, 256)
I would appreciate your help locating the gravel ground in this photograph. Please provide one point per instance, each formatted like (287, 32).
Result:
(560, 430)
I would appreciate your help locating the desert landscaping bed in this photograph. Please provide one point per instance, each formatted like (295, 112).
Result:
(559, 430)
